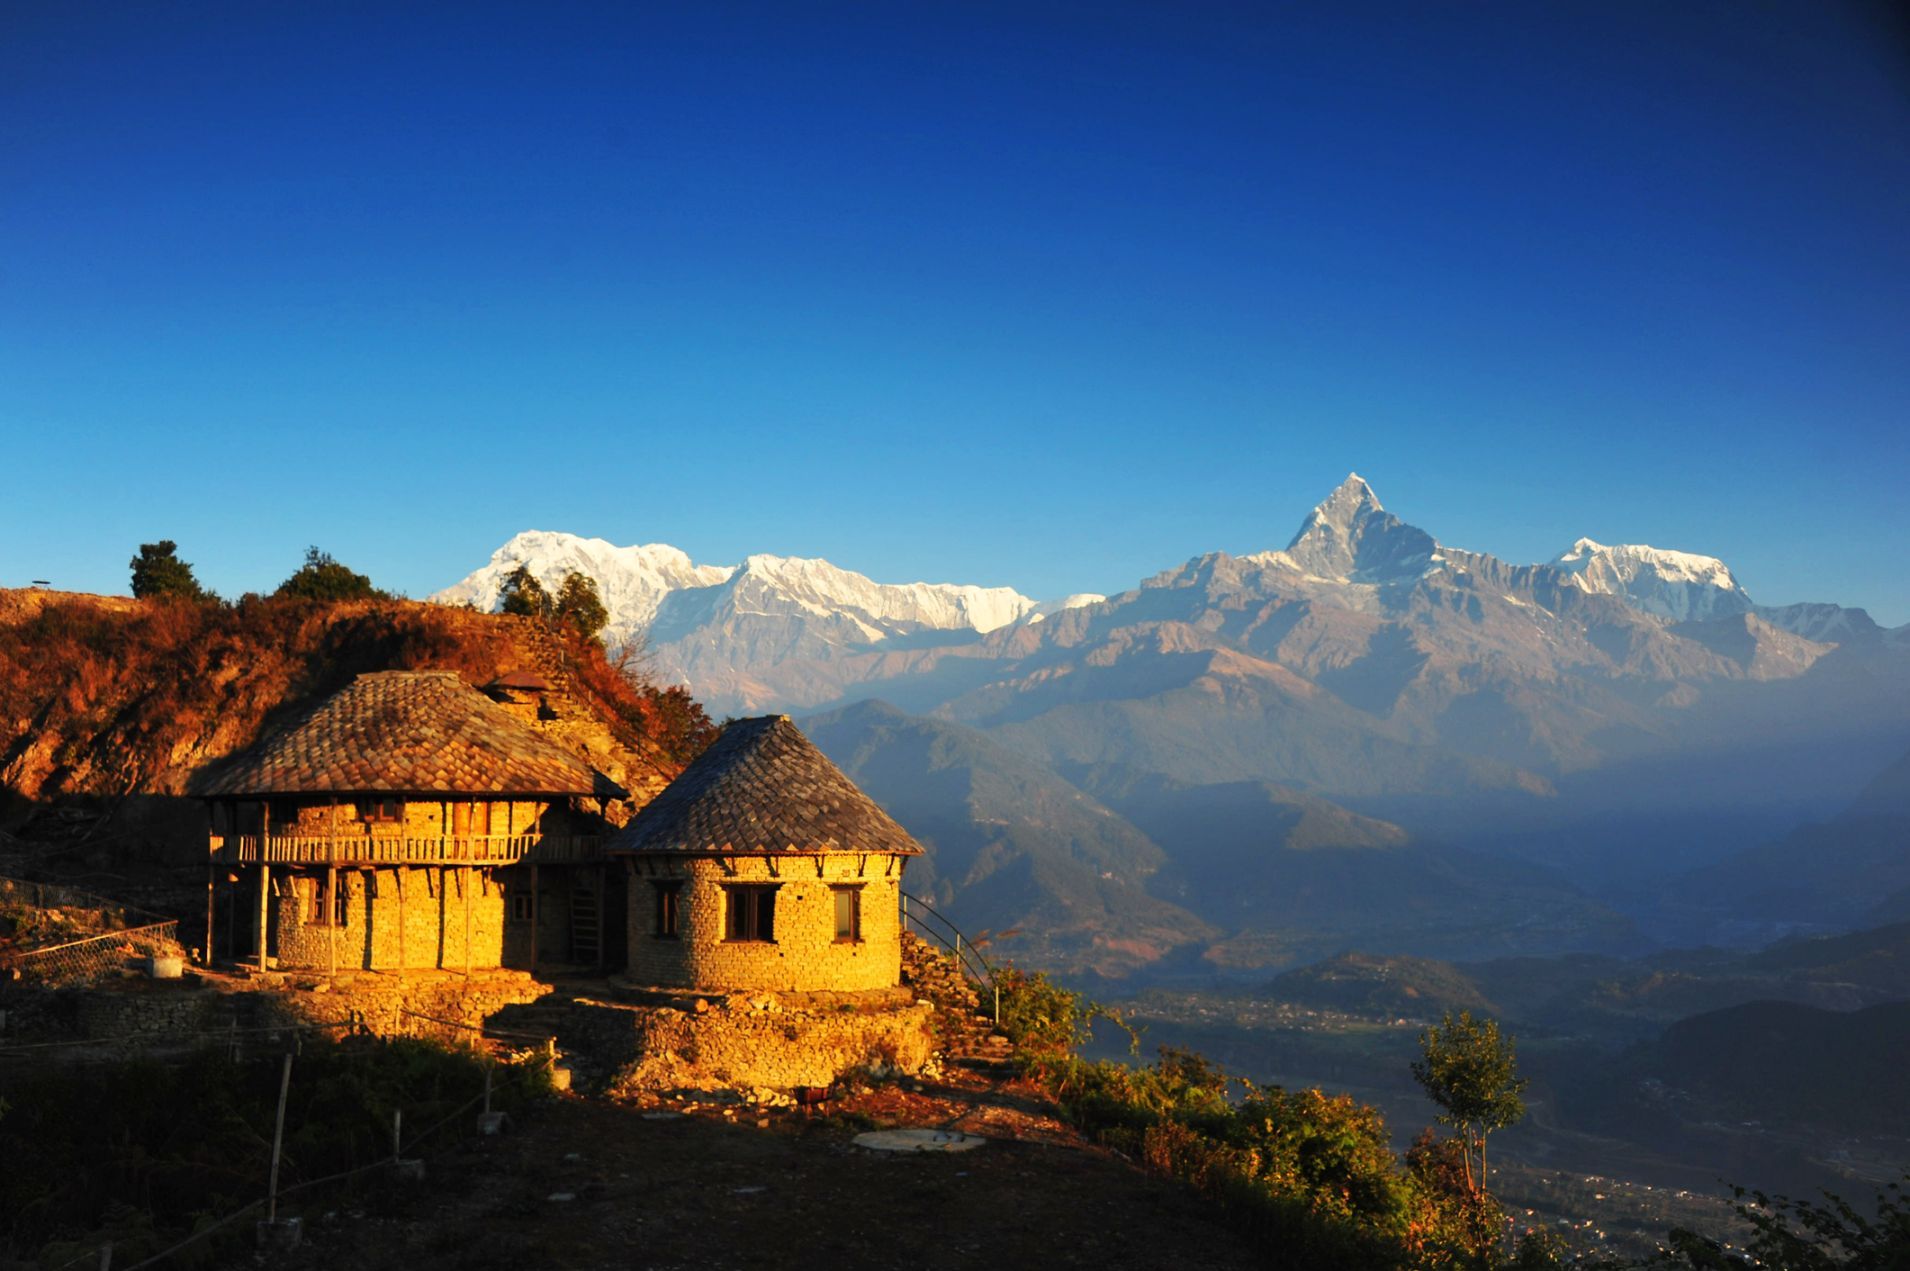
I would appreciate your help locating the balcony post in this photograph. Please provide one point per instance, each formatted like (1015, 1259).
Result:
(265, 878)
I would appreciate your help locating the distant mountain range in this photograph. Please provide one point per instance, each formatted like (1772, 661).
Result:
(1624, 714)
(786, 633)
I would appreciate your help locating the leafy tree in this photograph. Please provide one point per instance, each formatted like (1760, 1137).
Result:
(523, 595)
(1470, 1071)
(1453, 1223)
(158, 571)
(579, 606)
(322, 578)
(1802, 1236)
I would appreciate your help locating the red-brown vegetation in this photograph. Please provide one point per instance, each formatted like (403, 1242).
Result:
(99, 696)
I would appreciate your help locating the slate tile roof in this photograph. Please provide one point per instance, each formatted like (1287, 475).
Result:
(408, 732)
(763, 787)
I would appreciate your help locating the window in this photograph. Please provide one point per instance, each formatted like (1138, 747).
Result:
(328, 904)
(284, 814)
(523, 906)
(382, 809)
(668, 896)
(848, 914)
(752, 913)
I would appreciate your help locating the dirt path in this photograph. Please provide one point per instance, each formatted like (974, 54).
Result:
(647, 1188)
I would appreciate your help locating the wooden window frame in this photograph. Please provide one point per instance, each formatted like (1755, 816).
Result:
(337, 912)
(853, 891)
(749, 913)
(667, 913)
(372, 810)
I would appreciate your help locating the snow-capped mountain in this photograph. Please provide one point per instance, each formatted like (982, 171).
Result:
(632, 580)
(655, 592)
(1351, 538)
(789, 633)
(1681, 586)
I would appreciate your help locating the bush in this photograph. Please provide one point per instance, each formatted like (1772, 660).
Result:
(322, 578)
(1044, 1020)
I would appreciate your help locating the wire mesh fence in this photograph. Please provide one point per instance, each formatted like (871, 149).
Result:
(96, 955)
(55, 933)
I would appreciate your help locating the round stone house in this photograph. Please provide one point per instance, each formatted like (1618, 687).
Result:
(762, 867)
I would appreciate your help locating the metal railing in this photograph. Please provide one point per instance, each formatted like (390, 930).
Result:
(932, 925)
(377, 849)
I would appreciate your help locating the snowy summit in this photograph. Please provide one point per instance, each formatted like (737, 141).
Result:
(1681, 586)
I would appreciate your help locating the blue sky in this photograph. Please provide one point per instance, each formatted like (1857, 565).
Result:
(1045, 296)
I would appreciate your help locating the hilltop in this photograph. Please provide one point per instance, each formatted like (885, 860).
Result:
(109, 699)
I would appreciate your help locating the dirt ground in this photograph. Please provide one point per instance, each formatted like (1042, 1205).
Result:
(582, 1182)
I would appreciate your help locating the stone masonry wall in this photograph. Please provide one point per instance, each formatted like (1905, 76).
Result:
(751, 1040)
(804, 955)
(432, 910)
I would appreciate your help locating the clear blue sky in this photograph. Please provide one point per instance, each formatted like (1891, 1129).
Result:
(1046, 296)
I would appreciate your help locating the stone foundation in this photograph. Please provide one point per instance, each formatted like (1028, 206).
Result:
(755, 1040)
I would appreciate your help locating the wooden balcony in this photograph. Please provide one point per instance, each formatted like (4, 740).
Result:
(362, 850)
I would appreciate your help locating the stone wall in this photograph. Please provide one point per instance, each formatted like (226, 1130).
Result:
(778, 1041)
(445, 1006)
(423, 916)
(135, 1015)
(804, 954)
(424, 928)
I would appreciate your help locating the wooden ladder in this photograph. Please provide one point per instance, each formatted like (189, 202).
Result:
(585, 938)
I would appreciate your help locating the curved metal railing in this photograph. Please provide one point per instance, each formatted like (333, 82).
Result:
(932, 925)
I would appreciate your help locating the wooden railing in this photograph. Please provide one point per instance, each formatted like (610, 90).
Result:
(458, 849)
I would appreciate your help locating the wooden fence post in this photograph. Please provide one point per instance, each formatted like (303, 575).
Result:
(278, 1140)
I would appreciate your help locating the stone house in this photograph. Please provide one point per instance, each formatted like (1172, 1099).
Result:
(410, 822)
(762, 867)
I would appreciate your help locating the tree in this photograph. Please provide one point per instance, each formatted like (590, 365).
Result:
(1802, 1235)
(322, 578)
(523, 595)
(579, 606)
(158, 571)
(1470, 1071)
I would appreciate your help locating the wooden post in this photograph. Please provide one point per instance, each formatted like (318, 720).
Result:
(404, 914)
(265, 877)
(331, 918)
(536, 914)
(278, 1140)
(212, 871)
(265, 887)
(397, 1123)
(603, 879)
(464, 885)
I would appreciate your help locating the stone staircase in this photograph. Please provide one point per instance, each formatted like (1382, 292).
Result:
(964, 1032)
(574, 724)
